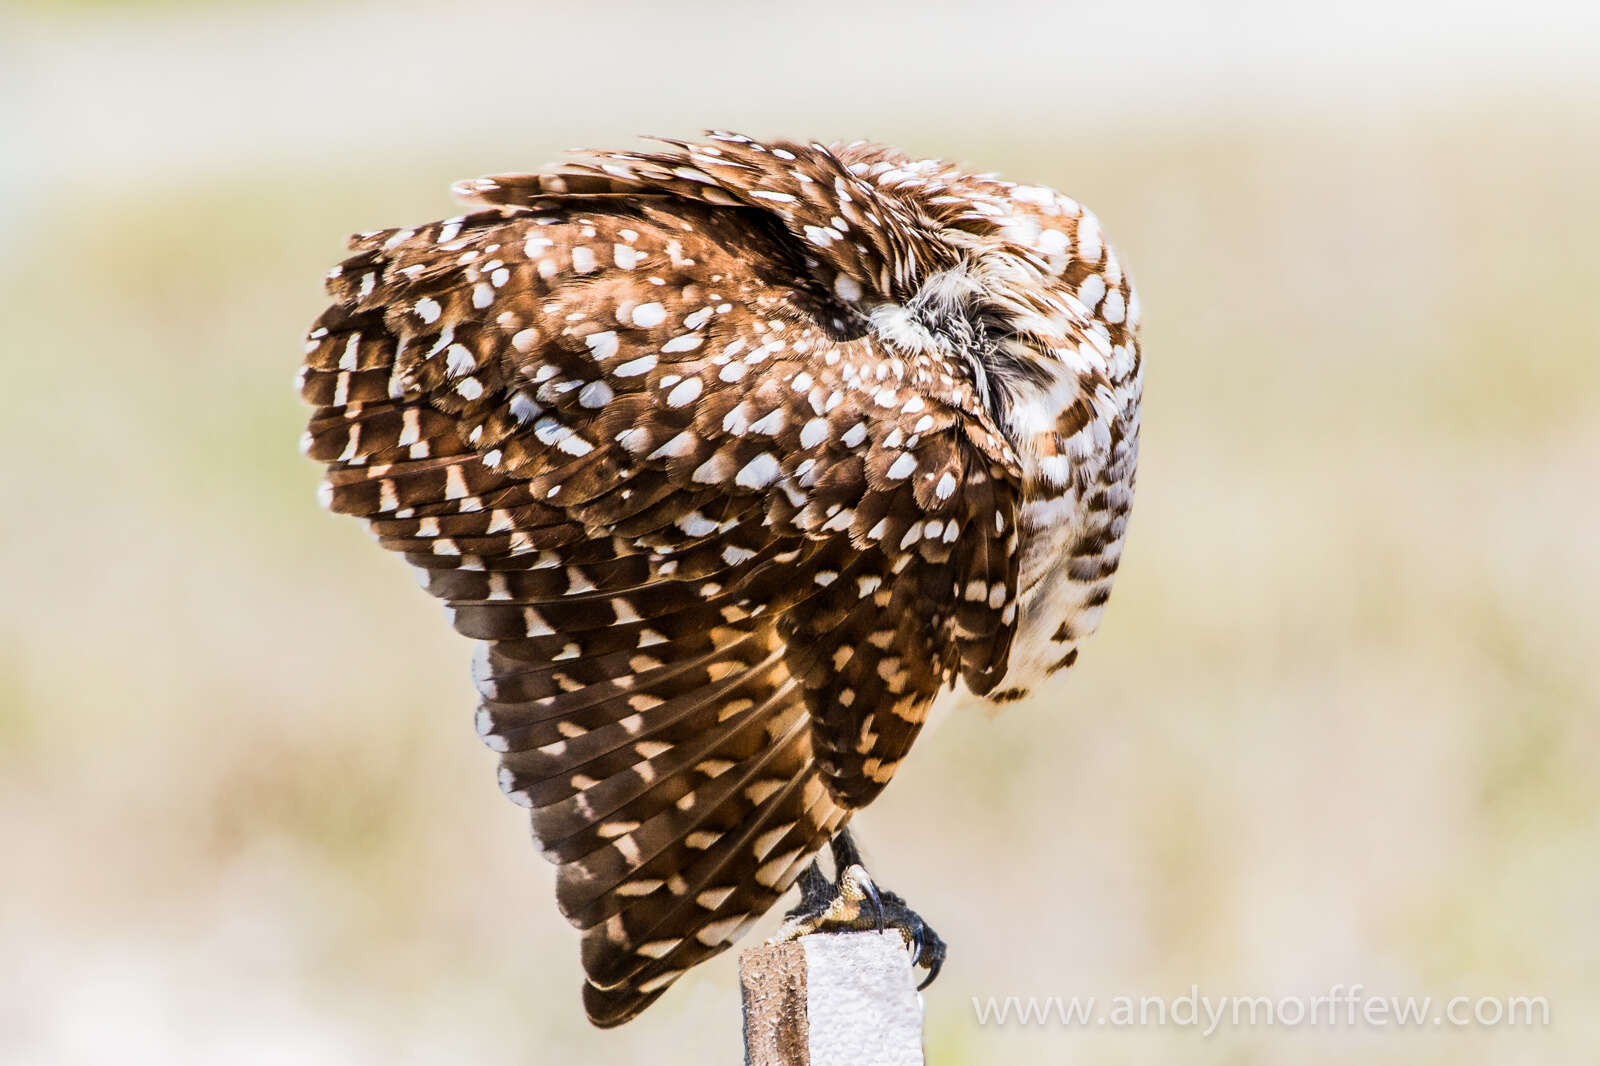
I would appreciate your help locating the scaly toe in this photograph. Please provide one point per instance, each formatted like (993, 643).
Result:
(856, 904)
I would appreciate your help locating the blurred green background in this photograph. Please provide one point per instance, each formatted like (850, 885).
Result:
(1340, 725)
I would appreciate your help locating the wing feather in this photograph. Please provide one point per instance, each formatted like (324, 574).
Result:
(717, 544)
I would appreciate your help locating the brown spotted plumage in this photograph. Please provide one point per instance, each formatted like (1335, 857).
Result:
(732, 457)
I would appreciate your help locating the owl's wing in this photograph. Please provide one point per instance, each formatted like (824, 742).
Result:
(720, 554)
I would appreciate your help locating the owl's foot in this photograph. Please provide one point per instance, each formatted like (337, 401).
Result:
(855, 904)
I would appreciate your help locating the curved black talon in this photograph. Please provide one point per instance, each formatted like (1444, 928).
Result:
(935, 964)
(874, 898)
(927, 947)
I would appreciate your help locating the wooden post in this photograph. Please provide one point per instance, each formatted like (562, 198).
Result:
(831, 999)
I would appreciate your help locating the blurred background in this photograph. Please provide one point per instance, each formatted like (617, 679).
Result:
(1340, 725)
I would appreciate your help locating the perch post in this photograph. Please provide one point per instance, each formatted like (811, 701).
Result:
(831, 999)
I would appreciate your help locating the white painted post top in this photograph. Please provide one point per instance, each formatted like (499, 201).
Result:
(831, 999)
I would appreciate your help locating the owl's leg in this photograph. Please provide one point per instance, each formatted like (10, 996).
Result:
(854, 903)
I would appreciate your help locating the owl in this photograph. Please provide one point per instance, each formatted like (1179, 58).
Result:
(733, 459)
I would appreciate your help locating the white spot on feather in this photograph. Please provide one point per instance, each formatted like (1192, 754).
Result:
(686, 392)
(902, 467)
(696, 524)
(759, 472)
(1114, 309)
(634, 367)
(676, 448)
(459, 361)
(713, 471)
(603, 344)
(1092, 291)
(648, 315)
(772, 423)
(688, 342)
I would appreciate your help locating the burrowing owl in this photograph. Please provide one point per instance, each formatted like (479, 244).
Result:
(732, 457)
